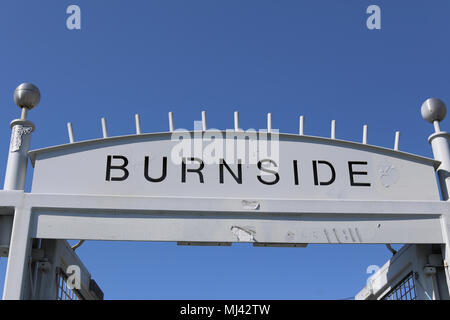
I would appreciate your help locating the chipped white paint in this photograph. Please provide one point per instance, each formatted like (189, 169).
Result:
(16, 137)
(346, 234)
(18, 154)
(244, 234)
(251, 205)
(388, 175)
(290, 236)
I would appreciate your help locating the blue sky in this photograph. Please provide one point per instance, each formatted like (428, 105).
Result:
(290, 57)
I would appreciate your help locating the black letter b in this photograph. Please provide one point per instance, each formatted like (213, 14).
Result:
(122, 167)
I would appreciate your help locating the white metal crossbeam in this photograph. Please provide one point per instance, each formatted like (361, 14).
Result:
(250, 220)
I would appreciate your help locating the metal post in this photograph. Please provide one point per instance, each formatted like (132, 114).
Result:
(333, 129)
(170, 121)
(301, 129)
(440, 142)
(204, 127)
(70, 132)
(434, 110)
(104, 128)
(236, 121)
(397, 140)
(26, 96)
(365, 132)
(138, 124)
(19, 255)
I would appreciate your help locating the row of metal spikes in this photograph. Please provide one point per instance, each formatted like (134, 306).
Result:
(236, 127)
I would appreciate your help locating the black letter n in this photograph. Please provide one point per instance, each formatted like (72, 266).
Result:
(122, 167)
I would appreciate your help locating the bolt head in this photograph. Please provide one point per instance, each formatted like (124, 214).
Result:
(433, 109)
(27, 95)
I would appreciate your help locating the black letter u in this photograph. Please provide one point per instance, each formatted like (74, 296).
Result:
(164, 171)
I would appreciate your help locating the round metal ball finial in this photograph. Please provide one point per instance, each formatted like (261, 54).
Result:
(27, 95)
(433, 109)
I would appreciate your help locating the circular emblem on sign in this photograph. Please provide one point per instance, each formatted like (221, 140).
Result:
(388, 175)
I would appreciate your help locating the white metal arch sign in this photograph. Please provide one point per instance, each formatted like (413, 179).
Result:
(219, 187)
(301, 168)
(159, 187)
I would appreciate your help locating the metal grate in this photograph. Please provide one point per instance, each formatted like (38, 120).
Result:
(404, 290)
(64, 292)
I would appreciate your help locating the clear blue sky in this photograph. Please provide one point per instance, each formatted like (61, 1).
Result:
(289, 57)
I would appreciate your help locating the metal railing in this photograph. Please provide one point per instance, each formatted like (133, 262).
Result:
(404, 290)
(64, 290)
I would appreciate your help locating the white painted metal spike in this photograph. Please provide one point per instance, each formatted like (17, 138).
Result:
(333, 129)
(397, 140)
(170, 121)
(301, 125)
(364, 139)
(236, 121)
(204, 127)
(104, 128)
(138, 123)
(269, 122)
(70, 131)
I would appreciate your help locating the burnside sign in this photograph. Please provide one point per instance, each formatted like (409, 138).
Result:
(295, 167)
(123, 172)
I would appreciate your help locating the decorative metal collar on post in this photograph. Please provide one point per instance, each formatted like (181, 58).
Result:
(26, 96)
